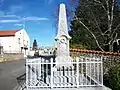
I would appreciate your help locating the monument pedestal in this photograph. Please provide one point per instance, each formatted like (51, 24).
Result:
(63, 61)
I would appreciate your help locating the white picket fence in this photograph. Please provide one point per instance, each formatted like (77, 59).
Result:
(84, 71)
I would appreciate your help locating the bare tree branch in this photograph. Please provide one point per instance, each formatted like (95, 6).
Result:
(96, 21)
(90, 33)
(112, 9)
(115, 29)
(112, 40)
(98, 36)
(101, 4)
(109, 32)
(115, 38)
(108, 15)
(106, 32)
(103, 44)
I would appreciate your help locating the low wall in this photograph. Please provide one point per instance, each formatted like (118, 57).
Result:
(11, 57)
(109, 58)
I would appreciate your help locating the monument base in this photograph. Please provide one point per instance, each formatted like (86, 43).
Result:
(63, 61)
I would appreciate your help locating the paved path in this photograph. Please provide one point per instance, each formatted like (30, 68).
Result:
(82, 88)
(9, 71)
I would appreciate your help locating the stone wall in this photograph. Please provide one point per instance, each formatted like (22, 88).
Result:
(109, 58)
(11, 57)
(110, 61)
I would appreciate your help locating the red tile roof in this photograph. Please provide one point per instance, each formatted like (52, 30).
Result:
(6, 33)
(94, 52)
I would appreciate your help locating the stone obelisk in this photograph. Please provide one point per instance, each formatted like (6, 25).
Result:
(62, 39)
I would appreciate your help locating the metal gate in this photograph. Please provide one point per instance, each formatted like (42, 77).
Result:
(84, 71)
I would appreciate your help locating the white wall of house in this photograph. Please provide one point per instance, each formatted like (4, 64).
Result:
(13, 44)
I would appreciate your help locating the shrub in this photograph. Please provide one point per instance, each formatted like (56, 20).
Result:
(77, 46)
(114, 77)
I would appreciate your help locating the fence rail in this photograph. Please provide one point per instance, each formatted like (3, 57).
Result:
(82, 71)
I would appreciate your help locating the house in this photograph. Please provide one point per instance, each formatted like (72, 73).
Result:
(14, 41)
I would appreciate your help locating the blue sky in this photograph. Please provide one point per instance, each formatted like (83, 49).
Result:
(37, 15)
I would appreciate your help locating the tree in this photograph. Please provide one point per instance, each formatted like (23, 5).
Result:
(35, 46)
(96, 24)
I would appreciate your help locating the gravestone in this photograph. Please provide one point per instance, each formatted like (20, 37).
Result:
(62, 39)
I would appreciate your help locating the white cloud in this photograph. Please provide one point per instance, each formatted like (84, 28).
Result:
(18, 19)
(18, 24)
(10, 15)
(9, 21)
(36, 19)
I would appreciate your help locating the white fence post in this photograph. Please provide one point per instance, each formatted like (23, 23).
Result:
(90, 71)
(82, 73)
(101, 71)
(98, 70)
(77, 59)
(51, 73)
(86, 67)
(27, 70)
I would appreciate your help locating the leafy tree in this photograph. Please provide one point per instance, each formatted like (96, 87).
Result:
(96, 24)
(35, 46)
